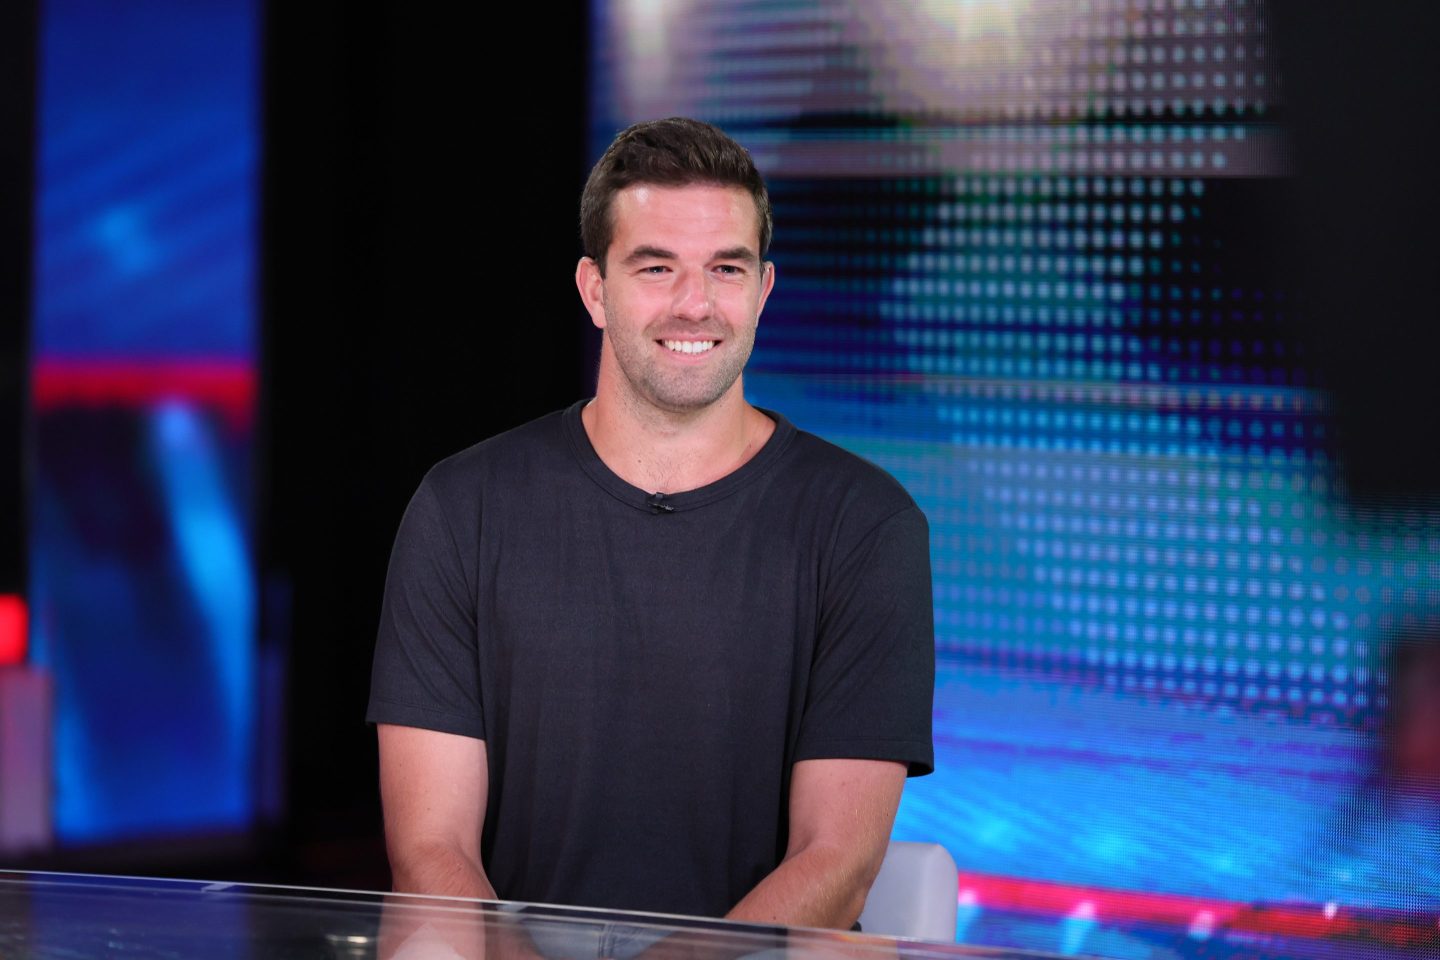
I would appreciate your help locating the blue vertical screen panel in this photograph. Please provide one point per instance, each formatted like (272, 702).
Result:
(142, 581)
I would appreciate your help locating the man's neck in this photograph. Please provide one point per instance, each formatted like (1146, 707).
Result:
(670, 452)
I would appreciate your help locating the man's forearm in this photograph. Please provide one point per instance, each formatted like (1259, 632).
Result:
(440, 870)
(818, 886)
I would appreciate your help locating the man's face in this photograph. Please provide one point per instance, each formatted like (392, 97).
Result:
(682, 293)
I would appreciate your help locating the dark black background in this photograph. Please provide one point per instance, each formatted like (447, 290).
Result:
(419, 246)
(17, 128)
(1358, 239)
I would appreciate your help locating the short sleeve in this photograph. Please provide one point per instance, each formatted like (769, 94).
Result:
(426, 669)
(872, 680)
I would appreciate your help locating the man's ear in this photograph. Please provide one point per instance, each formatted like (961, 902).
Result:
(767, 283)
(591, 285)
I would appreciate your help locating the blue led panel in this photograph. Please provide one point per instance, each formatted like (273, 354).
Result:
(142, 584)
(1018, 267)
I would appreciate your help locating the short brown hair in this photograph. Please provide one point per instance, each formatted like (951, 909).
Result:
(673, 153)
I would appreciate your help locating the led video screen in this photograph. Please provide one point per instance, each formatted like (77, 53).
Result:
(1021, 265)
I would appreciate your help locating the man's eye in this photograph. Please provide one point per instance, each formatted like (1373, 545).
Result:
(730, 268)
(657, 268)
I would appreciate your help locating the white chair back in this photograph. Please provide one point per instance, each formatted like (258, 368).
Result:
(915, 894)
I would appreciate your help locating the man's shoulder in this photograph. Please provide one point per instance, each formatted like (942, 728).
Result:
(818, 460)
(823, 472)
(509, 457)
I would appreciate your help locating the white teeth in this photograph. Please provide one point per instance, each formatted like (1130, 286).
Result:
(688, 346)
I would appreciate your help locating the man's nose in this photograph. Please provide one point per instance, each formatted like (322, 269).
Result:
(693, 295)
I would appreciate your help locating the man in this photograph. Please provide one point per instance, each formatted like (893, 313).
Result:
(662, 650)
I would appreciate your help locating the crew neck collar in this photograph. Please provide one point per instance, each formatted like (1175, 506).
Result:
(651, 502)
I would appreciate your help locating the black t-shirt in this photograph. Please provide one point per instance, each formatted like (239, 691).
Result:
(645, 673)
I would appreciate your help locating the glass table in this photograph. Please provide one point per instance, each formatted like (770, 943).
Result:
(50, 916)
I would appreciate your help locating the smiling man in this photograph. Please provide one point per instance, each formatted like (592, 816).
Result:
(700, 301)
(694, 679)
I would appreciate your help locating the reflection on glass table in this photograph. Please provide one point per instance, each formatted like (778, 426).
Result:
(72, 916)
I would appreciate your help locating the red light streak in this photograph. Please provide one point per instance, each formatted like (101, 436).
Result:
(226, 384)
(13, 629)
(1242, 920)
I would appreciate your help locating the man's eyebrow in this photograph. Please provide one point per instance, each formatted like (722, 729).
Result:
(647, 252)
(737, 253)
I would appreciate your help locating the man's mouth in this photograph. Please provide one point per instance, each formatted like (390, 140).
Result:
(688, 346)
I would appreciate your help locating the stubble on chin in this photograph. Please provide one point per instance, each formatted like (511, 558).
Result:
(679, 391)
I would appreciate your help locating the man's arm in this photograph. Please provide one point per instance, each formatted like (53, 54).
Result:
(433, 787)
(841, 812)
